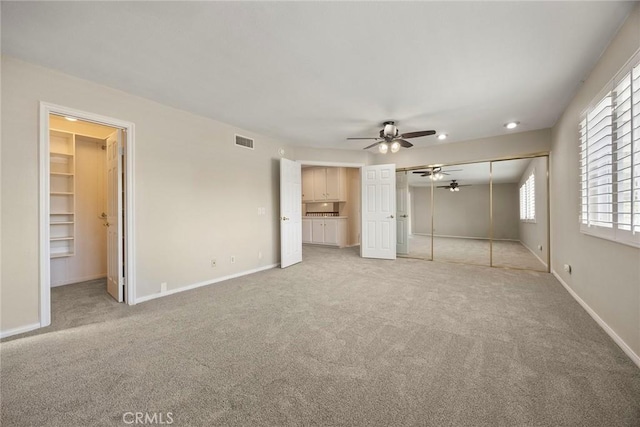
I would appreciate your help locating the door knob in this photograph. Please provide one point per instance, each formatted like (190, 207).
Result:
(404, 216)
(284, 218)
(390, 216)
(106, 224)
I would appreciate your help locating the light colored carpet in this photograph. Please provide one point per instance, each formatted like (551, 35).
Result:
(474, 251)
(336, 340)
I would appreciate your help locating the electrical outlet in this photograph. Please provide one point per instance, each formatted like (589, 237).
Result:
(539, 247)
(567, 268)
(214, 263)
(163, 287)
(233, 259)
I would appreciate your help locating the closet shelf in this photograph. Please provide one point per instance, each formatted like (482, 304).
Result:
(61, 213)
(61, 193)
(62, 255)
(61, 173)
(60, 222)
(55, 153)
(56, 239)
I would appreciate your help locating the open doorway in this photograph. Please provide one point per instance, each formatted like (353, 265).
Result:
(86, 195)
(330, 206)
(320, 205)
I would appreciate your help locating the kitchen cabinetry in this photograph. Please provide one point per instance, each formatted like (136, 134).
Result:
(306, 230)
(325, 231)
(324, 184)
(307, 185)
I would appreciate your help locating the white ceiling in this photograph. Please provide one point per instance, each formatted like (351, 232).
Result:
(314, 73)
(504, 172)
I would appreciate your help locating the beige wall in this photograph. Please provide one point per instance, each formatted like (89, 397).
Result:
(605, 275)
(534, 234)
(197, 195)
(466, 213)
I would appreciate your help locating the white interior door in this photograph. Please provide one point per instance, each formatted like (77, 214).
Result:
(402, 210)
(290, 213)
(115, 274)
(378, 212)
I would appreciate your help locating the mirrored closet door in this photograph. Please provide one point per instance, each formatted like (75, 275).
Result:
(486, 213)
(461, 214)
(519, 209)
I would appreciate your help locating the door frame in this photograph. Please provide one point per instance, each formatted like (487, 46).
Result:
(358, 166)
(44, 181)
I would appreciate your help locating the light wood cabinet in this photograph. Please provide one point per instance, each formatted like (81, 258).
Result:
(324, 184)
(307, 230)
(327, 231)
(307, 185)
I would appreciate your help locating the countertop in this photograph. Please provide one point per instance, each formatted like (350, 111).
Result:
(324, 217)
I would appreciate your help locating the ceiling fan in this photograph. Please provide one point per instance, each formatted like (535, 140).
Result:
(391, 139)
(454, 186)
(436, 173)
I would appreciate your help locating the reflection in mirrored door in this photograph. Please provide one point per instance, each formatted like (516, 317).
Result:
(402, 214)
(461, 214)
(418, 213)
(520, 213)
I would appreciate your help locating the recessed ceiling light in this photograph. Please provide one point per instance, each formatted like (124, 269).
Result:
(442, 136)
(71, 119)
(511, 125)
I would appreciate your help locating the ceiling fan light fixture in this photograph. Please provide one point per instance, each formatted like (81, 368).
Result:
(442, 136)
(395, 146)
(456, 189)
(383, 148)
(452, 189)
(511, 125)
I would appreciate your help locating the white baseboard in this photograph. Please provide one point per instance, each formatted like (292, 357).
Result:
(615, 337)
(20, 330)
(204, 283)
(79, 280)
(534, 254)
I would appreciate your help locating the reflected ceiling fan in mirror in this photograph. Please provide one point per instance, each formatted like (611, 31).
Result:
(436, 173)
(390, 138)
(454, 186)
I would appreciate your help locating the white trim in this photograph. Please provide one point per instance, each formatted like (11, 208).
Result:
(616, 338)
(205, 283)
(20, 330)
(79, 280)
(534, 254)
(43, 152)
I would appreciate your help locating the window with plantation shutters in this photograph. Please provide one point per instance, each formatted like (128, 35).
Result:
(610, 160)
(528, 199)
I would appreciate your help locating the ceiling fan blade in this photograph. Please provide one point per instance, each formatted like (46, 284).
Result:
(421, 171)
(405, 144)
(371, 146)
(443, 186)
(418, 134)
(363, 138)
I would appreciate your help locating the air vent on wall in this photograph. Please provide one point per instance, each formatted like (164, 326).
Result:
(244, 142)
